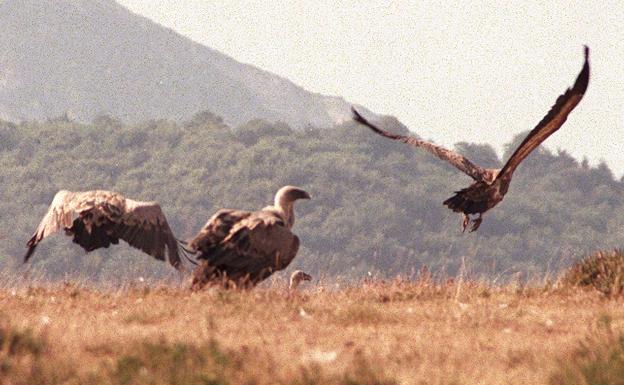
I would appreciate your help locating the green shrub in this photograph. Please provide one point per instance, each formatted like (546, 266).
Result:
(14, 342)
(22, 358)
(598, 361)
(164, 363)
(603, 271)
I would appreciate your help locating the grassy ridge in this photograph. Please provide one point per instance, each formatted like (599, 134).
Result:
(419, 332)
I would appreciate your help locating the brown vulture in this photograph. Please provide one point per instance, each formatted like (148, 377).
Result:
(491, 185)
(243, 247)
(100, 218)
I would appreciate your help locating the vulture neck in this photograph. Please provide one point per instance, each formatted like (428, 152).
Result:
(287, 208)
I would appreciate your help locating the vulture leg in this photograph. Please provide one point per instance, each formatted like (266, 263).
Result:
(466, 220)
(476, 223)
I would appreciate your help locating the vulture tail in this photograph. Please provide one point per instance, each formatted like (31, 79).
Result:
(191, 260)
(462, 202)
(184, 246)
(32, 245)
(186, 251)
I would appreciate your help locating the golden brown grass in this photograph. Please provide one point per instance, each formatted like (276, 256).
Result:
(371, 333)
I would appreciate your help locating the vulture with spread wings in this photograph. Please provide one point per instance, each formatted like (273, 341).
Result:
(244, 247)
(100, 218)
(491, 185)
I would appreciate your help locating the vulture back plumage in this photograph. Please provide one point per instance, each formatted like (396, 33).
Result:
(246, 247)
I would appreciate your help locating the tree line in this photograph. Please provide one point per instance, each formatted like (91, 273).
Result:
(376, 207)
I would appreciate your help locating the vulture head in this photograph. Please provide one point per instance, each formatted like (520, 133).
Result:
(490, 174)
(296, 277)
(285, 199)
(289, 194)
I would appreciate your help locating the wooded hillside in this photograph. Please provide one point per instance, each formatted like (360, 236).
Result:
(377, 205)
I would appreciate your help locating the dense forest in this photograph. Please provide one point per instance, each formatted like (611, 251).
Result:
(377, 204)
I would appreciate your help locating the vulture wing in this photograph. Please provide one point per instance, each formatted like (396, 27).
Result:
(461, 162)
(552, 121)
(98, 218)
(65, 207)
(145, 227)
(256, 247)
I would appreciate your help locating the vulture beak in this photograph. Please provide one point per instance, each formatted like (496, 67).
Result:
(307, 277)
(301, 194)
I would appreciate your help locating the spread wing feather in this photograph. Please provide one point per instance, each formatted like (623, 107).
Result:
(552, 121)
(104, 214)
(145, 227)
(461, 162)
(60, 215)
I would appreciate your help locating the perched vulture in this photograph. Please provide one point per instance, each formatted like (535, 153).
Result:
(297, 277)
(100, 218)
(491, 185)
(243, 247)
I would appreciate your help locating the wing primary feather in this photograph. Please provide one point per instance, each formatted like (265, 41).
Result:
(29, 252)
(59, 215)
(459, 161)
(555, 118)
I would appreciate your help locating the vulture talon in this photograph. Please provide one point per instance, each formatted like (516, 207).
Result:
(465, 222)
(475, 224)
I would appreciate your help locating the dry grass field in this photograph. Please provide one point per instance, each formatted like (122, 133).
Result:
(394, 332)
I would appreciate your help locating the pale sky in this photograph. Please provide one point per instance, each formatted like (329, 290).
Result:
(477, 72)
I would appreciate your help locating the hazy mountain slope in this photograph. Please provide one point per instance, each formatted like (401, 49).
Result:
(92, 57)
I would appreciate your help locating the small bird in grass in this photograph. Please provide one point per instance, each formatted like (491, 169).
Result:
(491, 185)
(296, 278)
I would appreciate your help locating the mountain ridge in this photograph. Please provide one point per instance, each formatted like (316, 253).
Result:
(95, 57)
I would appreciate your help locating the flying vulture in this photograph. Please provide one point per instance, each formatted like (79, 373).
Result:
(243, 247)
(100, 218)
(491, 185)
